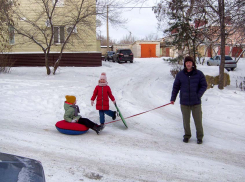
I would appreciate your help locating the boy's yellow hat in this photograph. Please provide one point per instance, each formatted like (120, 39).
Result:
(70, 98)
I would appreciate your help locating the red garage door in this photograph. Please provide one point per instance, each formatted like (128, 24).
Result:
(148, 50)
(227, 50)
(236, 51)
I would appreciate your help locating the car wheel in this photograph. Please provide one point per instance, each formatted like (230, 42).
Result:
(208, 64)
(232, 69)
(131, 61)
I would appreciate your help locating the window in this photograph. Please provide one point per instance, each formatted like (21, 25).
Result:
(228, 58)
(11, 34)
(59, 34)
(22, 18)
(217, 58)
(47, 23)
(126, 52)
(69, 29)
(60, 3)
(11, 2)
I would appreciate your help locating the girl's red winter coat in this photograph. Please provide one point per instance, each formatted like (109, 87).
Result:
(102, 93)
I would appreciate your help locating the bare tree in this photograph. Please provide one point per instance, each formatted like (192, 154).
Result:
(182, 25)
(127, 39)
(5, 35)
(151, 37)
(103, 40)
(216, 14)
(4, 27)
(227, 15)
(29, 22)
(115, 8)
(222, 35)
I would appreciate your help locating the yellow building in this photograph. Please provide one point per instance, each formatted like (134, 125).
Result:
(59, 25)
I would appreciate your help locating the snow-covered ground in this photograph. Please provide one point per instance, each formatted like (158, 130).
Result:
(151, 149)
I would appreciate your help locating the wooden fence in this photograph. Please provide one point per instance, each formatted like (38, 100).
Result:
(68, 59)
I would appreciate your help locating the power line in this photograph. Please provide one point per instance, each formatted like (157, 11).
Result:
(132, 7)
(129, 7)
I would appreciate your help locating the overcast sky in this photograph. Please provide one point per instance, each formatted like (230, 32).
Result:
(141, 22)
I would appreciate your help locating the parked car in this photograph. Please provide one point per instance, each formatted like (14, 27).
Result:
(15, 168)
(230, 64)
(109, 55)
(123, 55)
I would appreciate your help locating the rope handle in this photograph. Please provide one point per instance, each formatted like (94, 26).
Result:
(138, 113)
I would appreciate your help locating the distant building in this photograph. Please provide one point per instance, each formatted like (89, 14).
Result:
(141, 49)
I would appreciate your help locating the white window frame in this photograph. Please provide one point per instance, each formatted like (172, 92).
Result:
(11, 2)
(59, 34)
(47, 23)
(73, 31)
(60, 3)
(11, 37)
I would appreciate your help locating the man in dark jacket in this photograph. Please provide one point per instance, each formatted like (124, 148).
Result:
(192, 84)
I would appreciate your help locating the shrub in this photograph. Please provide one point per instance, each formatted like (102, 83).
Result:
(177, 68)
(176, 64)
(214, 80)
(177, 60)
(241, 83)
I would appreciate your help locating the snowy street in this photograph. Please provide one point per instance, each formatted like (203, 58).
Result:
(150, 150)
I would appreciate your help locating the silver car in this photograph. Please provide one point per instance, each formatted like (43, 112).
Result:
(230, 64)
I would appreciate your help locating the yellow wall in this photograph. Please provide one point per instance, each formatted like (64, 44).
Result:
(82, 41)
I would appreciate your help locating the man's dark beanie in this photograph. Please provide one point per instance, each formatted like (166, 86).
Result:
(189, 58)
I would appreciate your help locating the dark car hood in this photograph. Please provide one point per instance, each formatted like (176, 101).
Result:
(20, 169)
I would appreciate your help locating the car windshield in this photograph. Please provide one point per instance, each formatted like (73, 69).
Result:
(228, 58)
(110, 53)
(126, 52)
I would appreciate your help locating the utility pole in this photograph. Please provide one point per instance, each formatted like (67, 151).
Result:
(130, 37)
(107, 28)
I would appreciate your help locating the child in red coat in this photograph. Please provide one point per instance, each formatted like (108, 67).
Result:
(103, 92)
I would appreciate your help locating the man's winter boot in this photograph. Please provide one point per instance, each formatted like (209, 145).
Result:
(186, 140)
(199, 141)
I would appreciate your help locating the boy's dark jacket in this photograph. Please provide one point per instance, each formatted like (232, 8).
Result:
(191, 87)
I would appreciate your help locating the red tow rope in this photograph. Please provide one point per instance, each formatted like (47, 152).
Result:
(139, 113)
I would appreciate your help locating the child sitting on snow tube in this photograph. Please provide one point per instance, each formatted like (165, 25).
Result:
(71, 114)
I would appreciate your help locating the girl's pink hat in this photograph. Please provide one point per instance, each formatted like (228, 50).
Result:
(103, 76)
